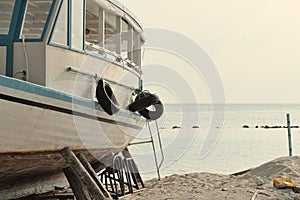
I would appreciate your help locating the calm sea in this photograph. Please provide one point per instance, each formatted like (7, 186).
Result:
(235, 149)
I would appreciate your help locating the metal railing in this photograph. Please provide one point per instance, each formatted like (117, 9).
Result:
(96, 76)
(114, 56)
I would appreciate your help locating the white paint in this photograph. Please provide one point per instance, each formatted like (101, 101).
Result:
(28, 128)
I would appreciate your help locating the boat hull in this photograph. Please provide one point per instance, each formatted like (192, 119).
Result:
(37, 122)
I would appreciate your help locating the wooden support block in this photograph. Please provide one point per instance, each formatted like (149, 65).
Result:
(82, 174)
(77, 187)
(133, 168)
(93, 174)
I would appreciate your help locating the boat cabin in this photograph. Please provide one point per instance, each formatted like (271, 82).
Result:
(41, 39)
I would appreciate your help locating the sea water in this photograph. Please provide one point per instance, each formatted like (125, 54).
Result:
(184, 129)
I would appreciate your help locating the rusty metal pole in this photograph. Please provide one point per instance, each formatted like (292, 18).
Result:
(289, 134)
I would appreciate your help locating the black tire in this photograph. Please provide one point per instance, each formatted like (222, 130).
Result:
(153, 114)
(143, 101)
(106, 98)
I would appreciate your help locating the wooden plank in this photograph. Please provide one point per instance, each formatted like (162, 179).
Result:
(133, 169)
(76, 185)
(82, 174)
(93, 174)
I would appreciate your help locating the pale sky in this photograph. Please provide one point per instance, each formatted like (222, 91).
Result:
(255, 44)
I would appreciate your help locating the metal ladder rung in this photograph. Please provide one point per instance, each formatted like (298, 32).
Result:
(158, 166)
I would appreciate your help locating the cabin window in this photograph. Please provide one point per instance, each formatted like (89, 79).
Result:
(125, 38)
(77, 24)
(35, 19)
(60, 33)
(111, 32)
(130, 43)
(137, 48)
(6, 11)
(91, 31)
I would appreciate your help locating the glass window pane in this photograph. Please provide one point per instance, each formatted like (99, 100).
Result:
(136, 48)
(125, 37)
(92, 24)
(77, 24)
(6, 11)
(110, 31)
(60, 34)
(35, 19)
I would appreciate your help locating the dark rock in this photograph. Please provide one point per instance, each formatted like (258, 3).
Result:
(176, 127)
(276, 127)
(245, 126)
(294, 126)
(259, 181)
(266, 126)
(256, 126)
(296, 189)
(264, 193)
(195, 127)
(260, 188)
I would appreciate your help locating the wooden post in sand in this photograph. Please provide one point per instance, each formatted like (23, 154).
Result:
(77, 187)
(82, 174)
(289, 134)
(93, 174)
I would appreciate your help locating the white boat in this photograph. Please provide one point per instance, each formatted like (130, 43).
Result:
(52, 55)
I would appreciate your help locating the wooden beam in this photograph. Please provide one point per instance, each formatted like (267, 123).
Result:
(76, 185)
(82, 174)
(93, 174)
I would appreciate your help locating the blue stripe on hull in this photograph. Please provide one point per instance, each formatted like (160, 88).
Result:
(46, 92)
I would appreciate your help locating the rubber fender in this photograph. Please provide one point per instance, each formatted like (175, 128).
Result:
(153, 114)
(142, 101)
(106, 98)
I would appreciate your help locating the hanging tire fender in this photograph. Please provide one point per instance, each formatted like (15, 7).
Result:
(106, 98)
(145, 100)
(142, 101)
(153, 114)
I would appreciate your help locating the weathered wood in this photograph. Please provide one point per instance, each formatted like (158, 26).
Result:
(254, 195)
(93, 174)
(82, 174)
(103, 163)
(134, 173)
(76, 185)
(133, 169)
(127, 174)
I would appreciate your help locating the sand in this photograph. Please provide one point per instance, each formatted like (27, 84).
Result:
(254, 184)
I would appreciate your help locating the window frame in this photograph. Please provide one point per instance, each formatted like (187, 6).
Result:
(84, 50)
(46, 26)
(69, 27)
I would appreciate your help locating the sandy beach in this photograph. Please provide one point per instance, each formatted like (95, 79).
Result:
(253, 184)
